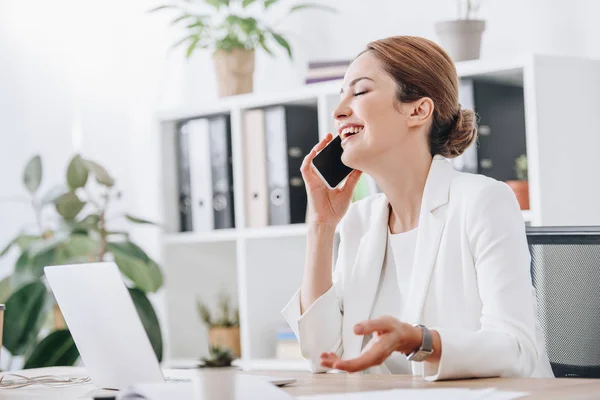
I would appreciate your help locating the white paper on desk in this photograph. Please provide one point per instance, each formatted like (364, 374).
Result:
(242, 387)
(422, 394)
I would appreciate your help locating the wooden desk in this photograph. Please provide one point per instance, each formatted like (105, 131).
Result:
(312, 384)
(548, 389)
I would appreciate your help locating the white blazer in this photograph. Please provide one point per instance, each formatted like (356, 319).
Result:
(471, 281)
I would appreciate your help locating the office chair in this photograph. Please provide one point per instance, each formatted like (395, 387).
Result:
(565, 269)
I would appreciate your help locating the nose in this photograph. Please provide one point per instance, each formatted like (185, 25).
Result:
(342, 110)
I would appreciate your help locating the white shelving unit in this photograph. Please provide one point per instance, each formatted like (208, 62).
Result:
(262, 268)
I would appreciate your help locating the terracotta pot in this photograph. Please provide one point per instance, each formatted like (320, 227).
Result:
(234, 70)
(461, 38)
(59, 320)
(227, 338)
(521, 189)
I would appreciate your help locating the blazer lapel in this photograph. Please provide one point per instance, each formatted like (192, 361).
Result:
(365, 277)
(432, 220)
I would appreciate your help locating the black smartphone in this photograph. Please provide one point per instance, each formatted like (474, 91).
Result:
(329, 166)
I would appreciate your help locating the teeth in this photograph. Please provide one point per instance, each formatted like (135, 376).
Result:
(351, 130)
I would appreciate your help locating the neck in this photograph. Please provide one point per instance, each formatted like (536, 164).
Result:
(403, 182)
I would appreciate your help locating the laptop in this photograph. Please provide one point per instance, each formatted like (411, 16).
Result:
(106, 327)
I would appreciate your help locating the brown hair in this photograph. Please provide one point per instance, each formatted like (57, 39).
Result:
(422, 69)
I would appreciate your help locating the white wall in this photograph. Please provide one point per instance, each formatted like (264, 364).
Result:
(100, 68)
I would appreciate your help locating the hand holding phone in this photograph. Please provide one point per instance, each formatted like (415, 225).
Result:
(327, 201)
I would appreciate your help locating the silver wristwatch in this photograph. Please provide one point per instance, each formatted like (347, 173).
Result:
(426, 348)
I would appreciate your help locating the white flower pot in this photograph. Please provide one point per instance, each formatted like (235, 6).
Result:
(461, 38)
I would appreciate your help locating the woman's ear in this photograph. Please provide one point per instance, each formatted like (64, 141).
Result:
(419, 111)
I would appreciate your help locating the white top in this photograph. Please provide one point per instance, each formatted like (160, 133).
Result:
(394, 289)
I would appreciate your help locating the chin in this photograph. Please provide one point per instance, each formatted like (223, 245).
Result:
(353, 159)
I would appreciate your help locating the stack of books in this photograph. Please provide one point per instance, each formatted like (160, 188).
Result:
(321, 71)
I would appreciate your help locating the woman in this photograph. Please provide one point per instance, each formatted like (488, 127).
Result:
(432, 276)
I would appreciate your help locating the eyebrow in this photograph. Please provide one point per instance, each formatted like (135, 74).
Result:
(355, 81)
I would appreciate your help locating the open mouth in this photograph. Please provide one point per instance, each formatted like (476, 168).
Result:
(351, 131)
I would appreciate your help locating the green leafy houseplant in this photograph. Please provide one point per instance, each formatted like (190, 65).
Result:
(227, 318)
(232, 31)
(223, 329)
(77, 231)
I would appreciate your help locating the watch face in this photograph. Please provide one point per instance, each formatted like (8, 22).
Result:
(420, 355)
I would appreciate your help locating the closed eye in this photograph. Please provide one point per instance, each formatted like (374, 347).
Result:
(359, 93)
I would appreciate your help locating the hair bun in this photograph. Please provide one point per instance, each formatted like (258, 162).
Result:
(462, 133)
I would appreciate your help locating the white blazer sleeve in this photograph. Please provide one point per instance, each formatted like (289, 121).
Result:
(506, 343)
(319, 329)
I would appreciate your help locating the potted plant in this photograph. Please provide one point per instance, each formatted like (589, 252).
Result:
(233, 33)
(223, 331)
(218, 358)
(461, 38)
(521, 185)
(73, 225)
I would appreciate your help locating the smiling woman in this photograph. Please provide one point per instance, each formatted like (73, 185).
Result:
(432, 275)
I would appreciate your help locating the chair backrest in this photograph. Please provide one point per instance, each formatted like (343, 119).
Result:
(565, 269)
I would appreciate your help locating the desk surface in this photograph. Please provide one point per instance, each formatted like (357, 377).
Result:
(312, 384)
(549, 389)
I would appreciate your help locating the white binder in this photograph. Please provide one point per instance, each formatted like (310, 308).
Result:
(255, 163)
(200, 175)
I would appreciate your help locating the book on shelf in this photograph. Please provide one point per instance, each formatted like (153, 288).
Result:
(322, 71)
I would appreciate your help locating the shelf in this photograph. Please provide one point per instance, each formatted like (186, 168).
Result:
(527, 215)
(270, 232)
(222, 235)
(276, 231)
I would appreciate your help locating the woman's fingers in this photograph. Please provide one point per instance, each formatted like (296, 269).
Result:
(305, 167)
(373, 356)
(352, 180)
(381, 324)
(328, 359)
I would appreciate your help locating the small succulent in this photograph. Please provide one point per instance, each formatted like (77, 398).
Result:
(521, 167)
(219, 357)
(228, 318)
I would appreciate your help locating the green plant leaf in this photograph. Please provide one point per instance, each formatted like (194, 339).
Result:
(135, 264)
(24, 241)
(22, 275)
(149, 320)
(23, 317)
(77, 247)
(161, 8)
(6, 289)
(100, 173)
(218, 3)
(282, 42)
(77, 173)
(181, 18)
(54, 193)
(269, 3)
(192, 46)
(32, 176)
(8, 247)
(305, 6)
(246, 3)
(263, 44)
(56, 349)
(68, 205)
(140, 220)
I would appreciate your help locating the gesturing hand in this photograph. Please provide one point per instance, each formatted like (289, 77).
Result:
(389, 335)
